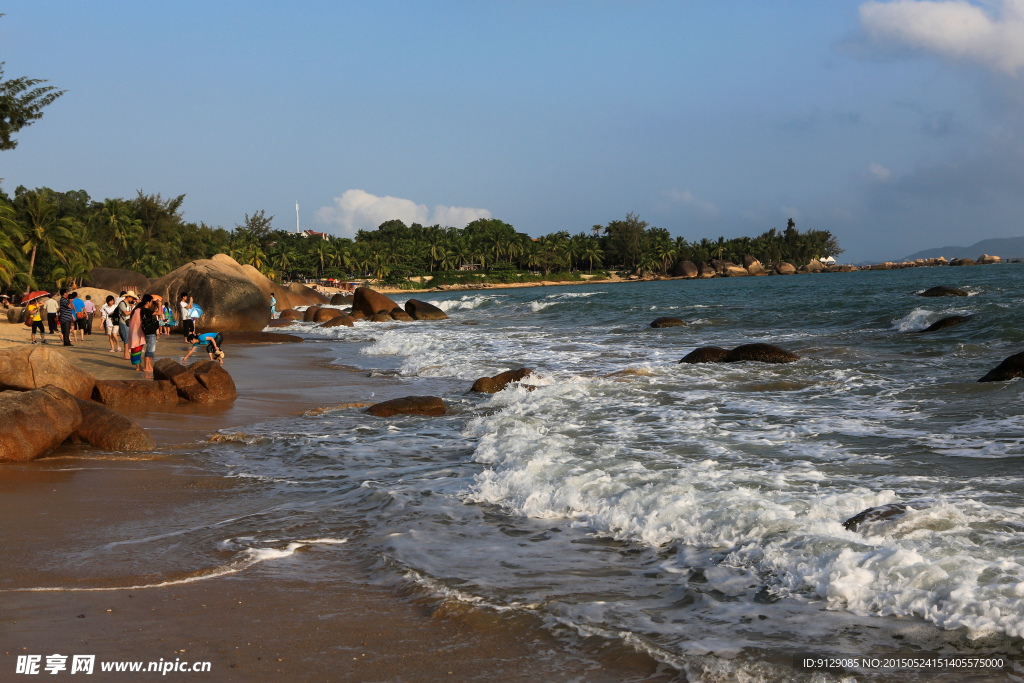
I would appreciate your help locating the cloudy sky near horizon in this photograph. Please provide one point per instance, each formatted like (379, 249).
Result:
(896, 124)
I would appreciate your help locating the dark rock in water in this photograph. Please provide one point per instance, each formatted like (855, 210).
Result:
(232, 337)
(370, 301)
(421, 310)
(943, 291)
(668, 322)
(705, 354)
(410, 405)
(339, 299)
(324, 314)
(401, 316)
(356, 314)
(103, 428)
(962, 262)
(945, 322)
(117, 280)
(35, 422)
(339, 321)
(290, 314)
(882, 512)
(382, 317)
(762, 353)
(309, 314)
(1011, 368)
(492, 385)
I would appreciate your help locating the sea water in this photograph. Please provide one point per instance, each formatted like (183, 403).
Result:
(694, 512)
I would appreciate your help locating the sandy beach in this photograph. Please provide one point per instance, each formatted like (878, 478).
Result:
(320, 613)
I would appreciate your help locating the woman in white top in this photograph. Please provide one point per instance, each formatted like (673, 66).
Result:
(109, 326)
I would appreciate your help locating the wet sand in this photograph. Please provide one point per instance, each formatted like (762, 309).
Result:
(322, 613)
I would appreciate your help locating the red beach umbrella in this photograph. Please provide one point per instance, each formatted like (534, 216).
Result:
(33, 295)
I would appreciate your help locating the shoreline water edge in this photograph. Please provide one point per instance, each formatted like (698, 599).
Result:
(612, 514)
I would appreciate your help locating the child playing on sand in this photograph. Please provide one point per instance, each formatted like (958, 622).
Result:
(213, 340)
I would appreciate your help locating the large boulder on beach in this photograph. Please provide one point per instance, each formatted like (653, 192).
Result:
(322, 315)
(202, 382)
(340, 321)
(97, 295)
(27, 367)
(421, 310)
(945, 322)
(686, 269)
(35, 422)
(1012, 367)
(667, 322)
(492, 385)
(369, 302)
(230, 301)
(166, 368)
(341, 299)
(732, 270)
(705, 271)
(756, 268)
(16, 315)
(942, 290)
(705, 354)
(134, 392)
(813, 266)
(117, 280)
(784, 268)
(410, 405)
(215, 379)
(103, 428)
(306, 296)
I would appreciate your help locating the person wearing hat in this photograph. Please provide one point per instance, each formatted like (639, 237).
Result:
(34, 311)
(124, 313)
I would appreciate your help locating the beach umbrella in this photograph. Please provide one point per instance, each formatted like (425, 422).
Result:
(33, 295)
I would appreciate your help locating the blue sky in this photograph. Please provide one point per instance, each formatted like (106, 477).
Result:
(898, 125)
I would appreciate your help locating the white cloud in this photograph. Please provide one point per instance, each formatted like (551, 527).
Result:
(687, 198)
(880, 172)
(358, 210)
(954, 29)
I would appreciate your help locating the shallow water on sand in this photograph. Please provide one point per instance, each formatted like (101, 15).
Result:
(691, 511)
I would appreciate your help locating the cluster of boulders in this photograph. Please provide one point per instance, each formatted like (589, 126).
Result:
(984, 259)
(46, 400)
(761, 353)
(434, 406)
(366, 304)
(752, 267)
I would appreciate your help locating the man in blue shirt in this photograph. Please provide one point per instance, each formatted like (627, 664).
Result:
(212, 340)
(66, 316)
(79, 306)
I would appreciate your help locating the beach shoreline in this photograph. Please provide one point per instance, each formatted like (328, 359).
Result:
(319, 613)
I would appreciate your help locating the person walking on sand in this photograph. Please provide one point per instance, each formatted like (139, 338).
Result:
(213, 342)
(79, 305)
(66, 315)
(109, 326)
(35, 312)
(90, 311)
(52, 307)
(124, 313)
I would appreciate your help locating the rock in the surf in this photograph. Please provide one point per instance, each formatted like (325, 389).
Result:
(340, 321)
(410, 405)
(340, 299)
(667, 321)
(382, 317)
(309, 314)
(880, 513)
(962, 262)
(945, 322)
(401, 316)
(290, 314)
(103, 428)
(1012, 367)
(370, 301)
(492, 385)
(761, 353)
(705, 354)
(35, 422)
(421, 310)
(942, 290)
(322, 315)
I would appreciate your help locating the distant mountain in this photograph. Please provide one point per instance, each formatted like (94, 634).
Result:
(1003, 247)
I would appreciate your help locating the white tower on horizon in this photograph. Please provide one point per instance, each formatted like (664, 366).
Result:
(296, 218)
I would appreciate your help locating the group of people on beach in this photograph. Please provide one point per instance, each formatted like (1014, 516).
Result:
(132, 324)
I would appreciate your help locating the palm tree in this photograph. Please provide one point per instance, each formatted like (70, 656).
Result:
(45, 229)
(321, 254)
(592, 251)
(10, 233)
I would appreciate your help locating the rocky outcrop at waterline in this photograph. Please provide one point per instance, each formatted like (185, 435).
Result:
(942, 290)
(759, 353)
(492, 385)
(421, 310)
(1011, 368)
(945, 322)
(667, 322)
(431, 406)
(878, 514)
